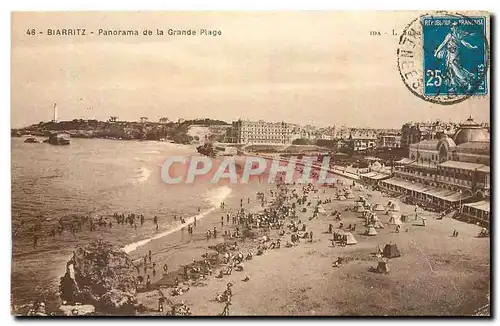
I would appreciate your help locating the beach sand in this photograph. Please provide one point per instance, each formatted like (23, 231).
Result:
(437, 274)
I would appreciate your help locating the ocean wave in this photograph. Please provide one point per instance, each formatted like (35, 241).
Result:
(216, 196)
(142, 175)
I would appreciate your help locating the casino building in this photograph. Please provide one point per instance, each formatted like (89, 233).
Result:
(450, 172)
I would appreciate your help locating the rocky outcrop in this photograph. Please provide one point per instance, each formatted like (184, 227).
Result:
(101, 275)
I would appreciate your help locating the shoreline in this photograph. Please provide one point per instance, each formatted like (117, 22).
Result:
(131, 247)
(311, 264)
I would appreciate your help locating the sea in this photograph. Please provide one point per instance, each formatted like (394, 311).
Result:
(93, 177)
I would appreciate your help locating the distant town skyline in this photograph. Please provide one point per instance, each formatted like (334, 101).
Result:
(310, 68)
(319, 125)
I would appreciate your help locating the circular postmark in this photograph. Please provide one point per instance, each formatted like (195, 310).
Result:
(443, 57)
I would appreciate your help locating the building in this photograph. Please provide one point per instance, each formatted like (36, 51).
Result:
(469, 144)
(362, 140)
(325, 133)
(414, 132)
(261, 132)
(448, 173)
(388, 140)
(54, 117)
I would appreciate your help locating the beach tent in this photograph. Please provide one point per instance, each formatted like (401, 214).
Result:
(395, 208)
(382, 267)
(391, 251)
(361, 199)
(341, 198)
(351, 240)
(371, 231)
(358, 187)
(321, 210)
(378, 208)
(350, 196)
(359, 204)
(395, 220)
(378, 225)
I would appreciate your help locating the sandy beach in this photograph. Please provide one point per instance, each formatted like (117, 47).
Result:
(437, 274)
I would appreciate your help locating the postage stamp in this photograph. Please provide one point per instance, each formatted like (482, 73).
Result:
(454, 55)
(443, 57)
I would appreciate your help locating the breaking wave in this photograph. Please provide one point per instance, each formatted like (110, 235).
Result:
(215, 197)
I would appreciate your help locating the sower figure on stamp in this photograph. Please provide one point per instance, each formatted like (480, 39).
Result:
(449, 50)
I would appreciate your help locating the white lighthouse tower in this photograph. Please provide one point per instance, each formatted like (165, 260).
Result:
(55, 113)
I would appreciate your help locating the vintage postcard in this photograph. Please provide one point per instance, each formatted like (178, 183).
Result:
(251, 163)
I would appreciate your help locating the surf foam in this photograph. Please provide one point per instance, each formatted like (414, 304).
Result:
(216, 196)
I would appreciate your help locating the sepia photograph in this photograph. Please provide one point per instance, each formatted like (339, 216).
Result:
(245, 163)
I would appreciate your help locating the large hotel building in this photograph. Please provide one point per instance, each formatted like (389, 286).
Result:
(261, 132)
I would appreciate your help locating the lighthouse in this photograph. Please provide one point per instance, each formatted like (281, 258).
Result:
(55, 113)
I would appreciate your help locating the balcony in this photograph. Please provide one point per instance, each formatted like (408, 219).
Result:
(454, 182)
(414, 175)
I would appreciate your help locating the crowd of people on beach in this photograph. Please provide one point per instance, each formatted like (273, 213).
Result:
(272, 223)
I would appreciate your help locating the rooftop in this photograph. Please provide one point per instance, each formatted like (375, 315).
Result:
(483, 205)
(485, 169)
(461, 165)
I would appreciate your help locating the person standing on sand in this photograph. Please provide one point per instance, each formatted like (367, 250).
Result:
(160, 304)
(215, 232)
(149, 255)
(248, 200)
(227, 218)
(148, 282)
(195, 221)
(222, 222)
(225, 312)
(165, 269)
(35, 241)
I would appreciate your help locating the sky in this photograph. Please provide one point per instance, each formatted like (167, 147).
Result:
(319, 68)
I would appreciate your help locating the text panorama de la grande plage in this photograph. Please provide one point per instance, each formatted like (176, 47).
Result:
(125, 32)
